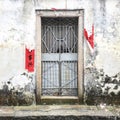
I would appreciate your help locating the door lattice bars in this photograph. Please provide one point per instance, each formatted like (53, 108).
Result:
(59, 35)
(59, 56)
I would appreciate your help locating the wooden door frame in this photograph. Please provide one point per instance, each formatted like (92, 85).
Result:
(60, 13)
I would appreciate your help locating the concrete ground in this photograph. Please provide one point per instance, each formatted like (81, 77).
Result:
(60, 112)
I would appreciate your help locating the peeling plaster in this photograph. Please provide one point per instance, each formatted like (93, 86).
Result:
(18, 90)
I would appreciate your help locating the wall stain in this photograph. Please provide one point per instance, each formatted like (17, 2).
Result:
(101, 88)
(17, 95)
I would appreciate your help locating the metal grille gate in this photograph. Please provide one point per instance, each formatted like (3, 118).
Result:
(59, 56)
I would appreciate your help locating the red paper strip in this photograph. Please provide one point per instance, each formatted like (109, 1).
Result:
(90, 38)
(29, 60)
(53, 9)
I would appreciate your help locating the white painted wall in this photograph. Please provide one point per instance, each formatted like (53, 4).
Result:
(17, 30)
(107, 36)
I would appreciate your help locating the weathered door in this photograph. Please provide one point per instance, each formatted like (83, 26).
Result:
(59, 56)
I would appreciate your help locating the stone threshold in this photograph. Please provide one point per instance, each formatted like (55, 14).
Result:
(78, 111)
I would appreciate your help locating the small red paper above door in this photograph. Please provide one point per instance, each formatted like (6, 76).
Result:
(29, 60)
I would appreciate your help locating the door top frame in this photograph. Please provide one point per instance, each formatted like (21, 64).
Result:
(59, 12)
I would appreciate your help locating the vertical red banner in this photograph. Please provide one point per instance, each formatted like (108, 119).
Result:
(29, 60)
(90, 38)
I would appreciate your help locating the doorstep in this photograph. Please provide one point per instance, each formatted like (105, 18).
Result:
(59, 110)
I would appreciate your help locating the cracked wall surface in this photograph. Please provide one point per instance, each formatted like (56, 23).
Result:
(101, 66)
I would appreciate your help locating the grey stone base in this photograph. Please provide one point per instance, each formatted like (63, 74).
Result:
(62, 118)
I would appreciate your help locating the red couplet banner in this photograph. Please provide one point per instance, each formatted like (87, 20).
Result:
(90, 38)
(29, 60)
